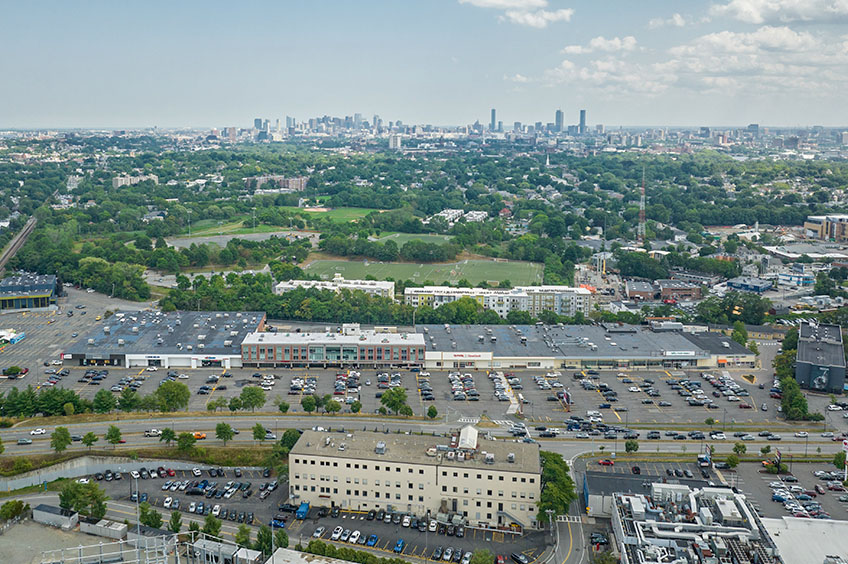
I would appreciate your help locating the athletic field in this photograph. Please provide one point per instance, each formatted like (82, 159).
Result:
(401, 238)
(475, 271)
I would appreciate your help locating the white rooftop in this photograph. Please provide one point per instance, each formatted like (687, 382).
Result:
(807, 540)
(364, 336)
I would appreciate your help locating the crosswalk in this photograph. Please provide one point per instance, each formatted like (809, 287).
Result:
(472, 420)
(568, 519)
(504, 422)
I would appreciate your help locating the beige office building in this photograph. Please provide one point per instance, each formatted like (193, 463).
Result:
(490, 483)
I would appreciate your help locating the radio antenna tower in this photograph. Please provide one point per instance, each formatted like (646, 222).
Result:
(640, 230)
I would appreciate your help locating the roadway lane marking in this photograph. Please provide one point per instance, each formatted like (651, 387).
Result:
(570, 543)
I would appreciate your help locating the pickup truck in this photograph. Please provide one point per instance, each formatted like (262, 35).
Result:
(153, 433)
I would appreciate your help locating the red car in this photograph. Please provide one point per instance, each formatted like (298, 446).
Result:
(820, 489)
(171, 472)
(606, 462)
(499, 559)
(775, 395)
(744, 405)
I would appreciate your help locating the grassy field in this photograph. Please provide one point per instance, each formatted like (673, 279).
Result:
(342, 215)
(401, 238)
(475, 271)
(242, 225)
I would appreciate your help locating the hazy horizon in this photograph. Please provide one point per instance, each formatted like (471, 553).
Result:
(192, 65)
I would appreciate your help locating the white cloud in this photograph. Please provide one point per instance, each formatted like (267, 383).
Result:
(783, 11)
(518, 78)
(531, 13)
(508, 4)
(769, 61)
(539, 18)
(676, 20)
(600, 43)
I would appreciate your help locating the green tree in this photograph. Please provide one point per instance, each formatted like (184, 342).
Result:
(356, 406)
(605, 557)
(168, 436)
(86, 499)
(2, 446)
(289, 438)
(281, 539)
(739, 333)
(113, 435)
(185, 442)
(212, 526)
(12, 509)
(172, 396)
(193, 526)
(709, 421)
(732, 460)
(224, 432)
(765, 450)
(432, 412)
(482, 556)
(283, 406)
(60, 439)
(89, 439)
(242, 536)
(394, 399)
(263, 540)
(175, 523)
(839, 460)
(631, 445)
(149, 517)
(406, 411)
(740, 448)
(259, 432)
(252, 397)
(128, 400)
(332, 406)
(236, 404)
(558, 490)
(104, 401)
(68, 409)
(308, 403)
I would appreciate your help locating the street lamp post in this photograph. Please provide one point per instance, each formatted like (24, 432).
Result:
(137, 522)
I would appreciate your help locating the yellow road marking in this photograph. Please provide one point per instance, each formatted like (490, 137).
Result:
(570, 543)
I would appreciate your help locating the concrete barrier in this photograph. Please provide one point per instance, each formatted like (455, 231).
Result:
(87, 465)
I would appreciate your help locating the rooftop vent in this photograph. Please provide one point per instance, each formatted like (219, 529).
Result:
(380, 448)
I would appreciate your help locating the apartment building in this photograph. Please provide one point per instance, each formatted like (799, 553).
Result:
(828, 227)
(378, 288)
(488, 482)
(562, 300)
(126, 180)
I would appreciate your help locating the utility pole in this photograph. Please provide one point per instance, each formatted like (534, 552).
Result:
(254, 217)
(640, 230)
(189, 222)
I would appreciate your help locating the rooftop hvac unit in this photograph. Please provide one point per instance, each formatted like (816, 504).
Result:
(201, 346)
(380, 448)
(238, 314)
(510, 457)
(490, 458)
(201, 337)
(159, 341)
(178, 322)
(91, 341)
(197, 326)
(188, 347)
(218, 315)
(120, 342)
(107, 329)
(227, 343)
(135, 329)
(170, 329)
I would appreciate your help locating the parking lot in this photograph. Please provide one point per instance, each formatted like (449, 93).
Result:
(752, 480)
(416, 543)
(237, 506)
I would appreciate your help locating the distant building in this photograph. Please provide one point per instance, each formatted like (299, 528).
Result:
(383, 289)
(749, 284)
(493, 123)
(28, 291)
(476, 216)
(820, 361)
(700, 278)
(395, 142)
(678, 289)
(582, 129)
(125, 180)
(559, 121)
(280, 181)
(833, 227)
(638, 290)
(562, 300)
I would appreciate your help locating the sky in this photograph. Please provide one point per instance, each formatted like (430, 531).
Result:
(128, 64)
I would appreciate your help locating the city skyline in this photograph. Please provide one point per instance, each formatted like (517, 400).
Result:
(442, 62)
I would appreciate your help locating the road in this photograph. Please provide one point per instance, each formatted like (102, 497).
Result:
(17, 242)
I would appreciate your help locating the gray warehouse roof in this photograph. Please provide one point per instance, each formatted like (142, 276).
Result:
(820, 344)
(716, 343)
(562, 341)
(154, 332)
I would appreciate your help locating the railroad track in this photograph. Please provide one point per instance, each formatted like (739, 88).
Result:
(17, 242)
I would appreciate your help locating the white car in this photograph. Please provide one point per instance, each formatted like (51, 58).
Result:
(406, 520)
(195, 471)
(354, 536)
(38, 431)
(168, 501)
(183, 376)
(83, 481)
(827, 435)
(90, 290)
(633, 389)
(134, 474)
(151, 369)
(719, 437)
(834, 407)
(192, 507)
(802, 434)
(216, 510)
(433, 526)
(337, 533)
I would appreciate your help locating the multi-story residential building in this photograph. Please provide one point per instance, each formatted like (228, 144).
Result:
(280, 181)
(562, 300)
(489, 483)
(378, 288)
(125, 180)
(829, 227)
